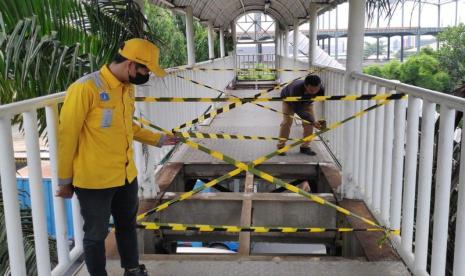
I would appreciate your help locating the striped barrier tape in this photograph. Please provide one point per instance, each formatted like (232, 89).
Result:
(228, 107)
(231, 160)
(201, 84)
(257, 104)
(367, 97)
(255, 229)
(225, 136)
(276, 181)
(186, 68)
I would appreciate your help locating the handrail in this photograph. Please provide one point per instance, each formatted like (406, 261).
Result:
(26, 105)
(427, 94)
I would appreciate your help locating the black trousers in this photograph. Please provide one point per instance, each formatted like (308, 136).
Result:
(96, 207)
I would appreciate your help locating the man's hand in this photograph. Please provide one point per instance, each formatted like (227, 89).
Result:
(170, 140)
(65, 191)
(317, 125)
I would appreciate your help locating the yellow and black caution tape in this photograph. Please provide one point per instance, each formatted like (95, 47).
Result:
(230, 106)
(251, 168)
(201, 84)
(225, 136)
(309, 70)
(255, 229)
(257, 104)
(20, 159)
(374, 97)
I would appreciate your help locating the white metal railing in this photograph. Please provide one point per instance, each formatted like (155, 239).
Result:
(392, 163)
(66, 255)
(164, 115)
(246, 65)
(401, 196)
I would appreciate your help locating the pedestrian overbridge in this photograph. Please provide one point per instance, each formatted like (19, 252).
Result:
(360, 206)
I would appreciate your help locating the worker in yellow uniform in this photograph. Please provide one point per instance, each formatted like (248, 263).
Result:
(95, 154)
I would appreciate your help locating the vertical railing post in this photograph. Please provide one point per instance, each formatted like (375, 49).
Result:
(442, 191)
(363, 143)
(39, 219)
(378, 157)
(370, 153)
(14, 233)
(408, 203)
(424, 186)
(356, 157)
(387, 161)
(59, 209)
(397, 163)
(459, 251)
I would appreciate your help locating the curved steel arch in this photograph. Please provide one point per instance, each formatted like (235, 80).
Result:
(277, 16)
(272, 13)
(299, 1)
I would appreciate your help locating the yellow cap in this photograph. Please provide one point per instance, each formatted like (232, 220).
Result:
(144, 52)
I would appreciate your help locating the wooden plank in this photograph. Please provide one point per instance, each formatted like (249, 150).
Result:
(167, 174)
(368, 240)
(331, 176)
(246, 216)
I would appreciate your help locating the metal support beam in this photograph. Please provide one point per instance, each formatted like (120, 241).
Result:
(418, 40)
(313, 13)
(439, 23)
(277, 40)
(246, 216)
(222, 53)
(354, 64)
(286, 42)
(401, 48)
(233, 33)
(377, 38)
(456, 11)
(336, 48)
(388, 47)
(211, 44)
(190, 36)
(329, 45)
(296, 39)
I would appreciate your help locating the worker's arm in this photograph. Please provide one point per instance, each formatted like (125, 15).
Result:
(146, 136)
(73, 114)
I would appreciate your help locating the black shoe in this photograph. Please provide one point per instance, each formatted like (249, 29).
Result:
(139, 271)
(307, 151)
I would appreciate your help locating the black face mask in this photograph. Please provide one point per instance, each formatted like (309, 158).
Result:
(139, 79)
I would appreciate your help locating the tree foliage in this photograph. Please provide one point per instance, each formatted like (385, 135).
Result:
(421, 70)
(371, 49)
(451, 54)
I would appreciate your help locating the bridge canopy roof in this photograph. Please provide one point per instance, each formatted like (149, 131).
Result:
(222, 12)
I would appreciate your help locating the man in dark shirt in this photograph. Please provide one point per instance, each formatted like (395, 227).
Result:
(310, 87)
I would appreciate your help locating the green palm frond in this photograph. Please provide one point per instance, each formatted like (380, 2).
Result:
(386, 7)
